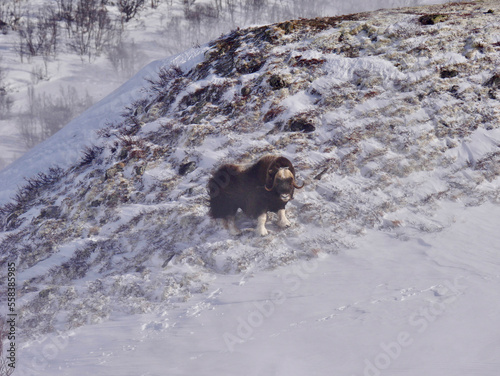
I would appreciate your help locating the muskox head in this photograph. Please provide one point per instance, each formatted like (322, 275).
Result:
(280, 178)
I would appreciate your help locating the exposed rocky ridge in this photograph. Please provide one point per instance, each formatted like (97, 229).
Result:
(384, 114)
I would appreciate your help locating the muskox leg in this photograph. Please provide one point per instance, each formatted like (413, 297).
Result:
(261, 225)
(282, 219)
(230, 225)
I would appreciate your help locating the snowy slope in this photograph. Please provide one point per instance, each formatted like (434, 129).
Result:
(393, 124)
(428, 305)
(66, 147)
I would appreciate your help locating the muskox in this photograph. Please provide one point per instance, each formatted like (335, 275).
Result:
(265, 186)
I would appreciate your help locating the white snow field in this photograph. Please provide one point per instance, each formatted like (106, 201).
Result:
(424, 305)
(390, 266)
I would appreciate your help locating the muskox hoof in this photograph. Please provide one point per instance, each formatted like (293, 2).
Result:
(235, 232)
(261, 231)
(230, 225)
(284, 223)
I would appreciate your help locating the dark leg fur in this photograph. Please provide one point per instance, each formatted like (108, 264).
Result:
(221, 204)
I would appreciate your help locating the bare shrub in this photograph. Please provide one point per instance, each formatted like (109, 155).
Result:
(92, 28)
(65, 9)
(129, 8)
(10, 15)
(4, 27)
(38, 34)
(155, 3)
(88, 23)
(200, 12)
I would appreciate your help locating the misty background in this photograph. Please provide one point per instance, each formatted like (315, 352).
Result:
(58, 57)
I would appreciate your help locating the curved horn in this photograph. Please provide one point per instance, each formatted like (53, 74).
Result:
(274, 181)
(270, 189)
(297, 186)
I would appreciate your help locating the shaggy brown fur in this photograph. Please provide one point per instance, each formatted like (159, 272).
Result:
(266, 185)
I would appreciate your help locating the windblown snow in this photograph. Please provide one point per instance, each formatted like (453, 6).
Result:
(391, 119)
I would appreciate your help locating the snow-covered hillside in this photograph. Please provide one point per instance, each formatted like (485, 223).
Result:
(428, 305)
(51, 69)
(392, 121)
